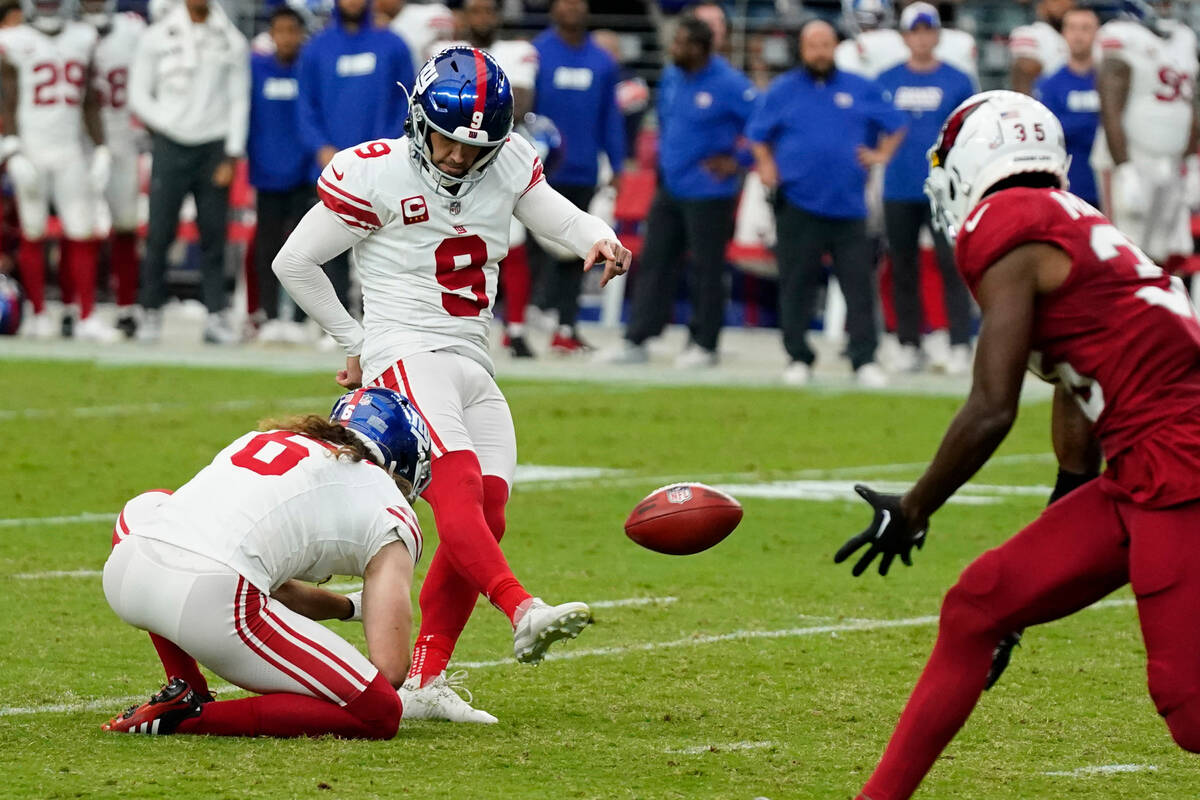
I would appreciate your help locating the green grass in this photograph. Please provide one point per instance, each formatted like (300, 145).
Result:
(599, 726)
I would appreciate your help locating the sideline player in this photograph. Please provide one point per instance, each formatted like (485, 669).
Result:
(118, 40)
(214, 573)
(877, 46)
(519, 61)
(1038, 48)
(1146, 83)
(427, 217)
(1065, 292)
(49, 101)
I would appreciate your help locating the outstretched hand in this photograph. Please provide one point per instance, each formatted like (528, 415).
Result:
(350, 377)
(890, 533)
(616, 259)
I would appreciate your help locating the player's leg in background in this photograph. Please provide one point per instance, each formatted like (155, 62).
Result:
(1164, 571)
(33, 211)
(76, 201)
(212, 220)
(902, 221)
(271, 213)
(854, 264)
(170, 178)
(657, 273)
(709, 228)
(516, 285)
(312, 681)
(801, 242)
(957, 297)
(568, 282)
(122, 196)
(1071, 556)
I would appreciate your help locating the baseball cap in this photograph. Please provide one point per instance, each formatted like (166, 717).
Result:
(919, 14)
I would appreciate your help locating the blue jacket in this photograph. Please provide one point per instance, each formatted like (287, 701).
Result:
(277, 157)
(1074, 100)
(701, 114)
(349, 90)
(926, 100)
(577, 89)
(815, 129)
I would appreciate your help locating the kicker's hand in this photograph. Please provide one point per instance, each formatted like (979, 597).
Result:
(889, 534)
(615, 256)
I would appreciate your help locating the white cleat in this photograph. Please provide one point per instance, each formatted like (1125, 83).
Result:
(94, 329)
(870, 376)
(40, 326)
(543, 624)
(441, 699)
(797, 374)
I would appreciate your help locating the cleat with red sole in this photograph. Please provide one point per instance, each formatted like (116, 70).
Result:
(569, 344)
(162, 715)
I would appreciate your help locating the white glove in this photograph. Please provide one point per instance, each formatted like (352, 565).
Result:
(24, 176)
(355, 599)
(1191, 181)
(1129, 196)
(100, 168)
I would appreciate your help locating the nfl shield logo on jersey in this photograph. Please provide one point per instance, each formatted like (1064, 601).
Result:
(679, 494)
(455, 207)
(415, 210)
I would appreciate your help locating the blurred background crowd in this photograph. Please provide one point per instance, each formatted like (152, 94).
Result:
(763, 159)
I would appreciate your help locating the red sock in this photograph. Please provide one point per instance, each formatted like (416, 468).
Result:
(517, 283)
(79, 262)
(374, 714)
(456, 494)
(31, 263)
(178, 664)
(125, 267)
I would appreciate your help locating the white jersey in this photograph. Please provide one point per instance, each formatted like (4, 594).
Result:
(110, 68)
(1041, 43)
(277, 505)
(51, 73)
(420, 25)
(1158, 111)
(517, 57)
(872, 53)
(429, 266)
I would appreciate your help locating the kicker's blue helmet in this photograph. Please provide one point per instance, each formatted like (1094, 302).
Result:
(464, 95)
(392, 429)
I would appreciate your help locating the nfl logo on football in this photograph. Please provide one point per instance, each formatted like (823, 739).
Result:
(679, 494)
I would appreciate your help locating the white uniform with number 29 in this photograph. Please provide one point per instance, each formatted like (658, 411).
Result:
(429, 268)
(51, 76)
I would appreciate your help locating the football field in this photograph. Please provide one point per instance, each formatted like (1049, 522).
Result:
(756, 669)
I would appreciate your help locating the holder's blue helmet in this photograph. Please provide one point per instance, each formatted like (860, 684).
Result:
(392, 429)
(543, 134)
(464, 95)
(10, 306)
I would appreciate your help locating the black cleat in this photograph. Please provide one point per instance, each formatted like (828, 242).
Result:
(127, 324)
(68, 326)
(518, 347)
(162, 715)
(1001, 656)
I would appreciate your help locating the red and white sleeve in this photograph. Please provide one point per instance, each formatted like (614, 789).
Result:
(344, 190)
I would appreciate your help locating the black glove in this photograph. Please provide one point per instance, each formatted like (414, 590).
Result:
(889, 533)
(1068, 482)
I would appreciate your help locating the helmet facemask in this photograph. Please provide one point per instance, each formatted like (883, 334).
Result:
(98, 13)
(47, 16)
(420, 150)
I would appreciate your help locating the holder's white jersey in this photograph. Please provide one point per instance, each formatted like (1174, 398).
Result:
(420, 25)
(277, 505)
(1042, 43)
(110, 68)
(872, 53)
(1158, 111)
(51, 77)
(517, 57)
(428, 263)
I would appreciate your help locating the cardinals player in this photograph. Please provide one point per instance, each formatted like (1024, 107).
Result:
(427, 216)
(1039, 48)
(118, 39)
(1146, 83)
(519, 61)
(48, 99)
(1065, 292)
(214, 572)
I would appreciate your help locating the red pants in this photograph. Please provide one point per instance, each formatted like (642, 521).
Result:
(1080, 549)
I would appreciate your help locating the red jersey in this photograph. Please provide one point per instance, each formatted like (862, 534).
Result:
(1119, 332)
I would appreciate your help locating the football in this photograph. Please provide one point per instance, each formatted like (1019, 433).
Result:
(683, 518)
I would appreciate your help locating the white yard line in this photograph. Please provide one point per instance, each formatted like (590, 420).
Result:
(567, 655)
(717, 748)
(86, 516)
(140, 409)
(57, 573)
(1107, 769)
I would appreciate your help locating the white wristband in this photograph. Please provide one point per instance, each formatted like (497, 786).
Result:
(355, 599)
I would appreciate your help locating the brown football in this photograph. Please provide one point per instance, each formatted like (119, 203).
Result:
(683, 518)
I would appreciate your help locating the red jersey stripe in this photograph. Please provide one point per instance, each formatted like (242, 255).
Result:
(365, 218)
(343, 192)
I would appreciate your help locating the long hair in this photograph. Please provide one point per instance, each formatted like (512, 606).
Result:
(317, 427)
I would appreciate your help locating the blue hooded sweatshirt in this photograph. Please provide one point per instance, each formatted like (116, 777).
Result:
(348, 85)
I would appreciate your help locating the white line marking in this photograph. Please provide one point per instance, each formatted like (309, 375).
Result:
(856, 625)
(1107, 769)
(139, 409)
(58, 573)
(86, 516)
(717, 748)
(634, 601)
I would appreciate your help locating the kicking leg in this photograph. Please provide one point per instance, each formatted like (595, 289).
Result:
(1071, 556)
